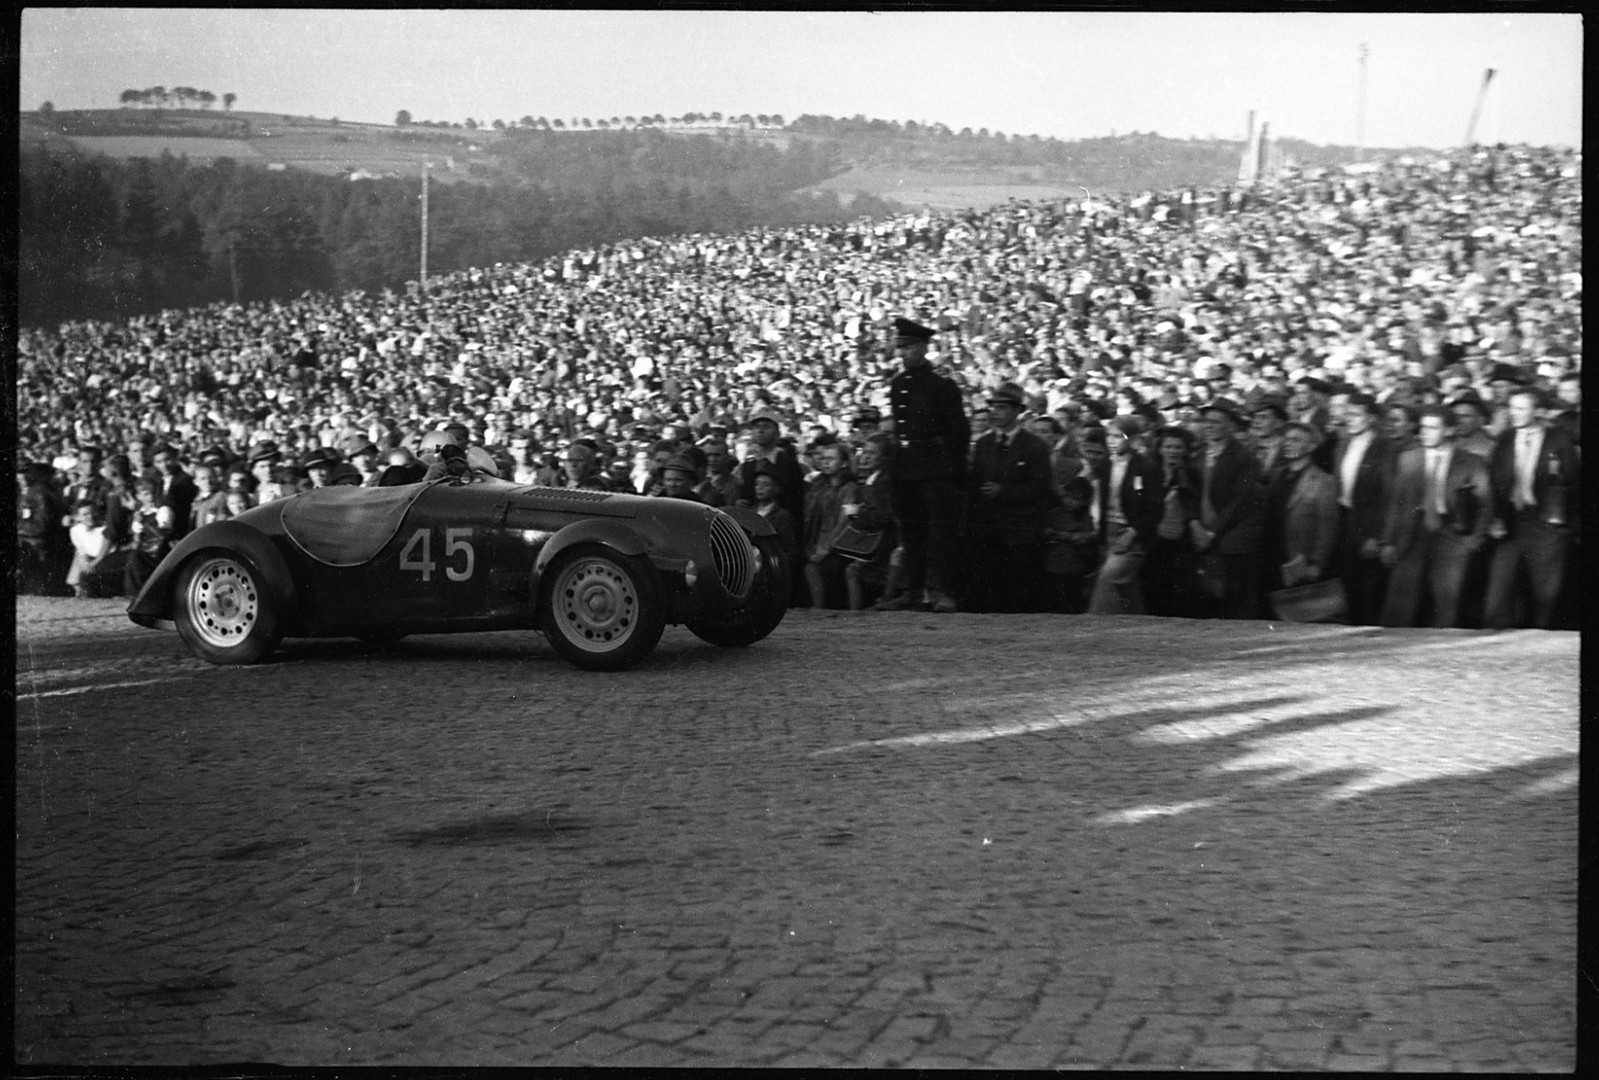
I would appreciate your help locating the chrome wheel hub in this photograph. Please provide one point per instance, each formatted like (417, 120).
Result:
(223, 602)
(595, 604)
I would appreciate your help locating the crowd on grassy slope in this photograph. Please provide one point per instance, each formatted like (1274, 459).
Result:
(1413, 280)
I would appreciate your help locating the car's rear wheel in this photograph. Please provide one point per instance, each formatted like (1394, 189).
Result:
(759, 615)
(224, 614)
(601, 611)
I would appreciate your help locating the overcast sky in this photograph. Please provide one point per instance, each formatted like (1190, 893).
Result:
(1067, 74)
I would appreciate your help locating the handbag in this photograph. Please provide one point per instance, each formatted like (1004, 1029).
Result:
(1317, 602)
(857, 544)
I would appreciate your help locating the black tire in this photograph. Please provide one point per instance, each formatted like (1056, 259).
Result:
(223, 613)
(765, 608)
(601, 610)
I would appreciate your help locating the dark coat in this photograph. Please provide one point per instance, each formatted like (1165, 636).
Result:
(1556, 483)
(1466, 495)
(1235, 496)
(1023, 472)
(930, 425)
(1368, 518)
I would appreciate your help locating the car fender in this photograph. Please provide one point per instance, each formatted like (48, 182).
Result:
(154, 604)
(617, 534)
(749, 520)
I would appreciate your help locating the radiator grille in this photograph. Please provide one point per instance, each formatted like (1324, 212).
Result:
(735, 562)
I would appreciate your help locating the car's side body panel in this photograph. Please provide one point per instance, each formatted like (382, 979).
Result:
(459, 556)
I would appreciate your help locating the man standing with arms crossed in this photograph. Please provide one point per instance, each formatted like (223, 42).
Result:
(932, 433)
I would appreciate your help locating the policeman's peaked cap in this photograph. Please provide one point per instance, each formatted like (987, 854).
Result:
(912, 331)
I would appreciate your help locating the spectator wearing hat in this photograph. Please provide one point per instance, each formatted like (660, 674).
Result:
(1228, 533)
(1266, 422)
(678, 476)
(360, 451)
(768, 484)
(933, 436)
(866, 421)
(264, 460)
(826, 496)
(1301, 514)
(1535, 481)
(763, 427)
(318, 464)
(345, 475)
(1437, 521)
(1168, 571)
(1010, 488)
(177, 490)
(43, 549)
(1363, 466)
(1130, 509)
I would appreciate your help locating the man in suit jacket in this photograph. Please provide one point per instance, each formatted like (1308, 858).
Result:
(1230, 519)
(1009, 489)
(1363, 467)
(1437, 520)
(178, 491)
(1535, 484)
(1130, 508)
(1301, 513)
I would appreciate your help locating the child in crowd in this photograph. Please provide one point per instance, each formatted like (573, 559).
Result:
(1071, 546)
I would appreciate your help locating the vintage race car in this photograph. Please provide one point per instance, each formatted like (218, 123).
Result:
(599, 574)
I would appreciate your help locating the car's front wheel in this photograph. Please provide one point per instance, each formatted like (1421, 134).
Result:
(759, 615)
(224, 614)
(601, 609)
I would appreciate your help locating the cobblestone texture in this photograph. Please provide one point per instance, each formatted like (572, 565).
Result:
(871, 840)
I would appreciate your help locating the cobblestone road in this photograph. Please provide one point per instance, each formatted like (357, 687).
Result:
(872, 840)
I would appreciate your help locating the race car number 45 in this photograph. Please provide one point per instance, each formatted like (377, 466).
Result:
(418, 554)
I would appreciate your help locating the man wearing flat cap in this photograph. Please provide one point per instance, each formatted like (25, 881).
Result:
(1266, 422)
(678, 477)
(764, 428)
(1008, 498)
(932, 434)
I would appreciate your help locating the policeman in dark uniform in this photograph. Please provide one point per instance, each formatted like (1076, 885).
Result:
(931, 428)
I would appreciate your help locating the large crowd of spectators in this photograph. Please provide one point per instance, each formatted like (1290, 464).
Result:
(1132, 327)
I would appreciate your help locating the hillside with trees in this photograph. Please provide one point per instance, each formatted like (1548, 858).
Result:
(103, 236)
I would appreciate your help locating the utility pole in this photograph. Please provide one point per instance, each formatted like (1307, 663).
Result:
(426, 165)
(1360, 119)
(1476, 109)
